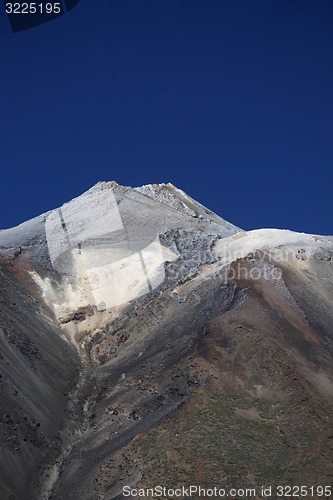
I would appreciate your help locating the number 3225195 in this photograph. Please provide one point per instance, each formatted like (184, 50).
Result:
(33, 8)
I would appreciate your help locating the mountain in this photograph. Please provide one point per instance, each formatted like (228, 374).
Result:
(146, 341)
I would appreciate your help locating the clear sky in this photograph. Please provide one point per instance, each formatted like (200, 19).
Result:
(230, 100)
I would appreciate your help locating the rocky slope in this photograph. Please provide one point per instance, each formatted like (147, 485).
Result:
(145, 341)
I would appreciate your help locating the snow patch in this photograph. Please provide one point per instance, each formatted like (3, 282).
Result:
(242, 244)
(107, 283)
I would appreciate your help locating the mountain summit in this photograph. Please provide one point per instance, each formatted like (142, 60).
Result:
(146, 341)
(108, 246)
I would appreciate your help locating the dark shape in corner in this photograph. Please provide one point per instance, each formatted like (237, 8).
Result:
(45, 11)
(70, 4)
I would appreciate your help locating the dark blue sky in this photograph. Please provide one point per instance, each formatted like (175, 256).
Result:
(229, 100)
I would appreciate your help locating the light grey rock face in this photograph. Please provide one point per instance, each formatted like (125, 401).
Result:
(137, 328)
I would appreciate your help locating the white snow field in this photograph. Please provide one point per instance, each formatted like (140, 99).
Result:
(283, 244)
(87, 241)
